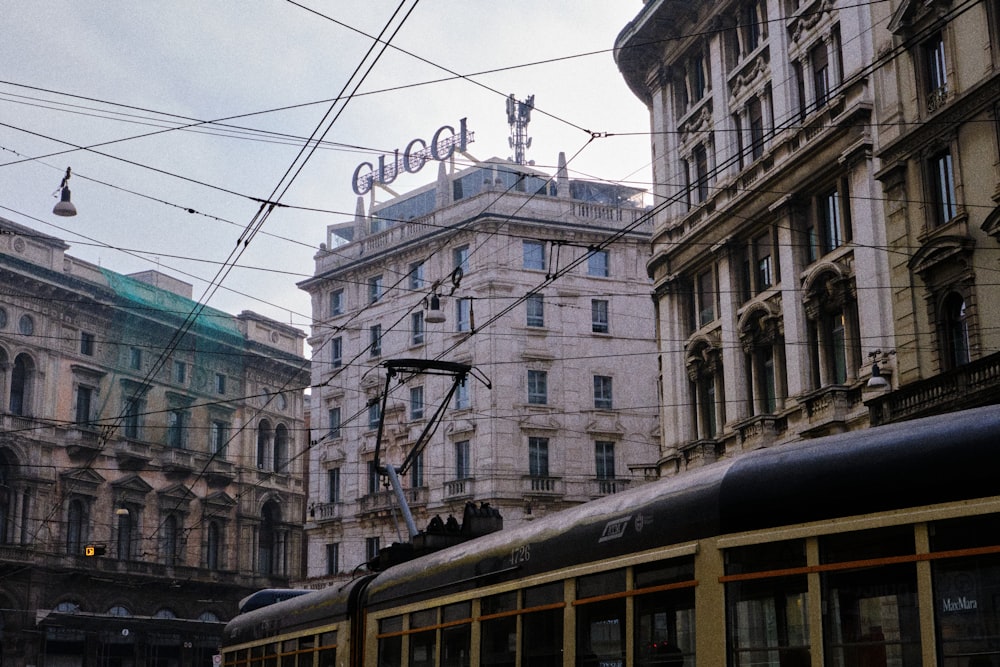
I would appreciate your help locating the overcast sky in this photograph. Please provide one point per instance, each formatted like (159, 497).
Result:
(83, 74)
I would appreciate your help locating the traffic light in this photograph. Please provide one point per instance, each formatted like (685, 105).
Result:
(95, 550)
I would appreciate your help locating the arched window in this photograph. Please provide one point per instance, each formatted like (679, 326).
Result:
(213, 546)
(126, 534)
(21, 379)
(171, 539)
(832, 314)
(281, 448)
(263, 441)
(704, 369)
(76, 526)
(271, 543)
(763, 347)
(955, 325)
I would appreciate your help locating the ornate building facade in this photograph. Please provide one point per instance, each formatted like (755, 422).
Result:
(151, 455)
(541, 283)
(811, 227)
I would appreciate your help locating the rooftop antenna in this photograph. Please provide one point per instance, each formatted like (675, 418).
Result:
(518, 117)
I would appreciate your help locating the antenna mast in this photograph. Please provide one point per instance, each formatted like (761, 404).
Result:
(518, 117)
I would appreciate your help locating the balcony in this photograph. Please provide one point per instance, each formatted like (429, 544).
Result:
(457, 489)
(828, 410)
(178, 462)
(220, 472)
(132, 454)
(326, 512)
(761, 431)
(383, 502)
(542, 486)
(974, 384)
(597, 488)
(83, 442)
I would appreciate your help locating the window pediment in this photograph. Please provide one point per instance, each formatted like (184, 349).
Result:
(992, 224)
(175, 498)
(84, 481)
(759, 323)
(913, 15)
(941, 250)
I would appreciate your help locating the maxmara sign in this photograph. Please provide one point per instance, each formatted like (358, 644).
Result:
(442, 146)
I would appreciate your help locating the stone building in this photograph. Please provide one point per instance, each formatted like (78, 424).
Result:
(795, 246)
(937, 95)
(151, 461)
(542, 286)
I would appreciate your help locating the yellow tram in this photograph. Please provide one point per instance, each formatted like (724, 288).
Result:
(871, 548)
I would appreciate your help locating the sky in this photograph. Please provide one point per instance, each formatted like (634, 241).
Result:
(160, 187)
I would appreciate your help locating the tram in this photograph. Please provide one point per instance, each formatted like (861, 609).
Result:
(874, 547)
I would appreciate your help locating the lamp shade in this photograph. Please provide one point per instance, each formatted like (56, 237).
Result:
(434, 314)
(65, 207)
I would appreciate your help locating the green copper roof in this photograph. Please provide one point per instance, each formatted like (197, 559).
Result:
(157, 300)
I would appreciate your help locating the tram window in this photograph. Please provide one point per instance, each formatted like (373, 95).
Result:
(965, 533)
(306, 647)
(764, 557)
(271, 655)
(966, 592)
(600, 634)
(543, 595)
(498, 642)
(866, 544)
(456, 645)
(288, 653)
(390, 649)
(595, 585)
(664, 572)
(327, 650)
(542, 631)
(768, 622)
(498, 636)
(497, 604)
(456, 640)
(664, 628)
(871, 616)
(423, 645)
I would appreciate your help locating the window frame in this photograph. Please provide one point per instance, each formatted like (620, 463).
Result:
(375, 289)
(600, 316)
(336, 352)
(538, 390)
(417, 328)
(599, 264)
(603, 392)
(375, 340)
(534, 305)
(416, 402)
(333, 425)
(533, 255)
(463, 453)
(538, 457)
(463, 314)
(336, 302)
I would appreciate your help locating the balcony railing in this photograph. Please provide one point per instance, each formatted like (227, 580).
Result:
(545, 486)
(973, 384)
(607, 487)
(323, 512)
(384, 501)
(458, 488)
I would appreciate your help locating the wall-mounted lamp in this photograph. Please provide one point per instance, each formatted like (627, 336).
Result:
(434, 313)
(877, 381)
(65, 207)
